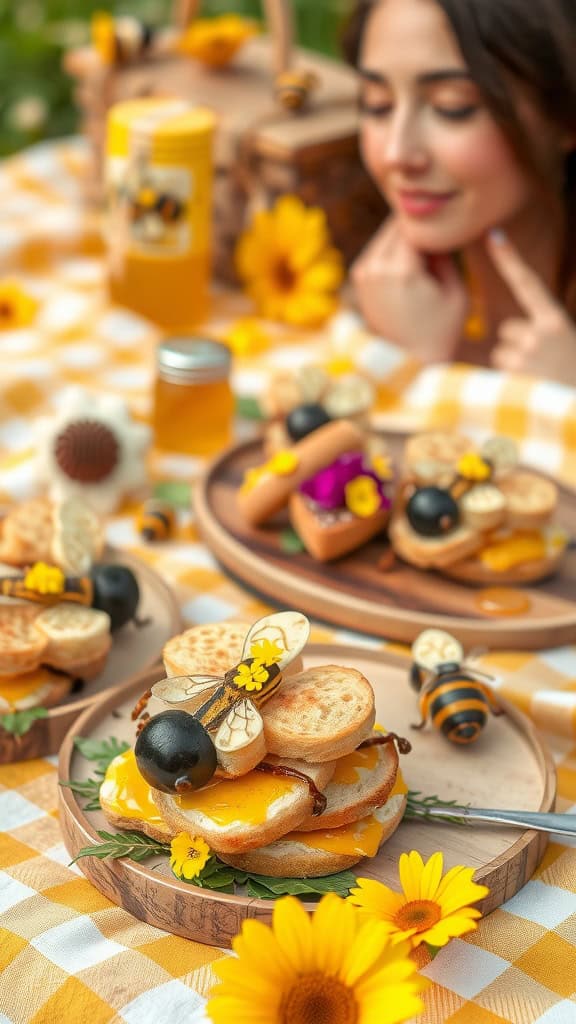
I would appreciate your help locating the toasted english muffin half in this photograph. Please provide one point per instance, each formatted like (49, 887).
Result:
(362, 781)
(78, 639)
(320, 714)
(22, 645)
(313, 854)
(433, 552)
(210, 648)
(241, 814)
(27, 532)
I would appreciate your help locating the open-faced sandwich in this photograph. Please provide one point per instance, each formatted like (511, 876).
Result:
(281, 773)
(473, 513)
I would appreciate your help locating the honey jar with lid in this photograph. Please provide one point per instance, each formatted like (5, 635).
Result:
(193, 400)
(159, 209)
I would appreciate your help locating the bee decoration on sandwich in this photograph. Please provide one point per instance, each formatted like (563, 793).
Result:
(156, 521)
(293, 88)
(108, 588)
(213, 722)
(454, 696)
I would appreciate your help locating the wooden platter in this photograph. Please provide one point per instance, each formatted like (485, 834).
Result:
(507, 767)
(355, 594)
(134, 649)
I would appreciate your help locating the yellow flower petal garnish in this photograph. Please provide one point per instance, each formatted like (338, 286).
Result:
(253, 676)
(473, 467)
(362, 496)
(17, 307)
(328, 966)
(432, 908)
(287, 264)
(215, 41)
(45, 579)
(283, 463)
(247, 337)
(266, 651)
(188, 855)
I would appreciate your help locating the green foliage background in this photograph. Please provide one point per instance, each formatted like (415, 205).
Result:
(35, 33)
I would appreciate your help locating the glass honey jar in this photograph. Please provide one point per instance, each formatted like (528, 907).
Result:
(159, 209)
(193, 400)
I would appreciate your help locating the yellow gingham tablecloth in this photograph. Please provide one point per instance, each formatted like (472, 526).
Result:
(68, 954)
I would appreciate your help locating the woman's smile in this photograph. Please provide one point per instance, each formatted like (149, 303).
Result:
(420, 202)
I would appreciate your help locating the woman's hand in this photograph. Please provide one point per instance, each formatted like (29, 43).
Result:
(544, 342)
(408, 300)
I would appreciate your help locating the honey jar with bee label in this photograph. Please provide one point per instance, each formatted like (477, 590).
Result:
(193, 400)
(159, 209)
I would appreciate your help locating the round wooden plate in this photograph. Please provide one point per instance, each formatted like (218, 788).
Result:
(354, 593)
(507, 767)
(134, 649)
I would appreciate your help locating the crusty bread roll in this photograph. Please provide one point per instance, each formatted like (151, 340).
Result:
(329, 534)
(361, 782)
(323, 714)
(241, 814)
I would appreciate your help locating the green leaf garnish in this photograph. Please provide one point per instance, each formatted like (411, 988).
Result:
(101, 751)
(290, 542)
(248, 408)
(123, 844)
(418, 806)
(19, 722)
(175, 492)
(216, 875)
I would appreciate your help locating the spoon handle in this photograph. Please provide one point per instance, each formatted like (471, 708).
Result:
(563, 824)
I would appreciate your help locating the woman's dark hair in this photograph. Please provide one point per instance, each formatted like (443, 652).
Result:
(530, 44)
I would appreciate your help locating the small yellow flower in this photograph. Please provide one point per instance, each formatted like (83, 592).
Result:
(382, 466)
(215, 41)
(283, 463)
(327, 966)
(253, 676)
(45, 579)
(431, 908)
(247, 337)
(362, 496)
(17, 307)
(473, 467)
(287, 264)
(103, 34)
(188, 855)
(266, 651)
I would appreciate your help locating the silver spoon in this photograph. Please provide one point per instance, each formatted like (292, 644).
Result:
(540, 821)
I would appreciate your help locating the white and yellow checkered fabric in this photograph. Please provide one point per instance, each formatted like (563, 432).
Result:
(67, 953)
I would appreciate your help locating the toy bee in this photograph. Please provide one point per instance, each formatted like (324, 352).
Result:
(454, 696)
(156, 521)
(293, 88)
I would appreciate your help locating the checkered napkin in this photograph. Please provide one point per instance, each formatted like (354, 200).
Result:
(68, 954)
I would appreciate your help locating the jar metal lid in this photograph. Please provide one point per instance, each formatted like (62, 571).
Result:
(193, 359)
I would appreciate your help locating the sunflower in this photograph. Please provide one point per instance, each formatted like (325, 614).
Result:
(431, 909)
(287, 264)
(327, 968)
(362, 496)
(17, 307)
(253, 676)
(215, 41)
(188, 856)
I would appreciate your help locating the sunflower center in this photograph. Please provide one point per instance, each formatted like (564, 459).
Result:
(419, 914)
(87, 451)
(284, 275)
(318, 999)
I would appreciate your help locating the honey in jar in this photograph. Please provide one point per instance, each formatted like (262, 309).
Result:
(193, 400)
(158, 227)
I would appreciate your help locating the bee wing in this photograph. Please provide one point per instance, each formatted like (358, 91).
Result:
(239, 741)
(289, 630)
(188, 692)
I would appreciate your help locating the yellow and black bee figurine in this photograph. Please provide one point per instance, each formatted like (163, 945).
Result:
(293, 88)
(456, 698)
(156, 521)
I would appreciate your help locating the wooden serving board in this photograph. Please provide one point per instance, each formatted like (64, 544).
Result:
(134, 649)
(355, 594)
(506, 768)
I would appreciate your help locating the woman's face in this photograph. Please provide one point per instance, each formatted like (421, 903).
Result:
(428, 141)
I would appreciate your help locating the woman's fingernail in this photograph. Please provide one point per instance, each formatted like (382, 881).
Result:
(498, 236)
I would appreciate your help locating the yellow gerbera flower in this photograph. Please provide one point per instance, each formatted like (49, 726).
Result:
(253, 676)
(307, 969)
(473, 467)
(362, 496)
(215, 41)
(266, 651)
(188, 855)
(287, 264)
(431, 908)
(17, 307)
(247, 337)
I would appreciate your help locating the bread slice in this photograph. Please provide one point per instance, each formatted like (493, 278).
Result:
(241, 814)
(323, 713)
(300, 855)
(433, 552)
(78, 639)
(361, 782)
(329, 534)
(39, 688)
(22, 645)
(212, 648)
(128, 801)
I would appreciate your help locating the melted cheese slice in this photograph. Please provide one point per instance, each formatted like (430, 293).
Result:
(247, 799)
(15, 689)
(125, 793)
(348, 768)
(523, 546)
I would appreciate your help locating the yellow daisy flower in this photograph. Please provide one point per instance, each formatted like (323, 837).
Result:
(267, 651)
(328, 966)
(45, 579)
(188, 855)
(283, 463)
(431, 908)
(362, 496)
(247, 337)
(287, 264)
(17, 307)
(473, 467)
(253, 676)
(215, 41)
